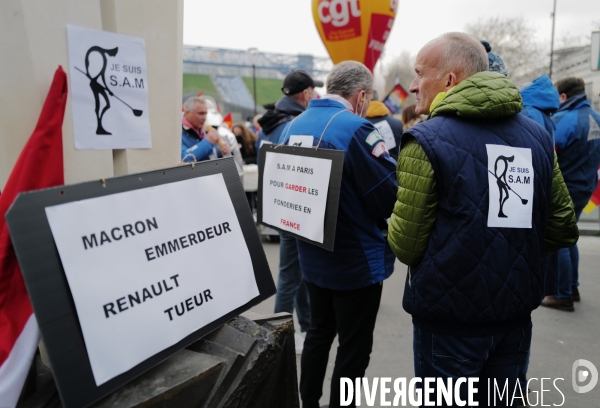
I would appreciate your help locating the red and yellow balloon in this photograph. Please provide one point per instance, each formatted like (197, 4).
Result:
(354, 29)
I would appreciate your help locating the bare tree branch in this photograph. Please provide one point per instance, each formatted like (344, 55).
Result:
(514, 40)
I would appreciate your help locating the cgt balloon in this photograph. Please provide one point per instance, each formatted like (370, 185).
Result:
(354, 29)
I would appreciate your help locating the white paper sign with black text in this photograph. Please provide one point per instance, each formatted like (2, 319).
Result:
(295, 194)
(109, 90)
(143, 277)
(510, 177)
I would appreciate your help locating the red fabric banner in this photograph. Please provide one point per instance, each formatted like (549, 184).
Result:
(40, 165)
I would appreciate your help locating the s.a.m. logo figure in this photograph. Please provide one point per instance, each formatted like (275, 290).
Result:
(99, 86)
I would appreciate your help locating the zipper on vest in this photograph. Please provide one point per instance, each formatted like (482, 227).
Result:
(409, 278)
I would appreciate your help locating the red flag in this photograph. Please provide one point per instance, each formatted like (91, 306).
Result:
(228, 120)
(40, 165)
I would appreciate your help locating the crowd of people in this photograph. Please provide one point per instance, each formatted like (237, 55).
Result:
(200, 140)
(475, 157)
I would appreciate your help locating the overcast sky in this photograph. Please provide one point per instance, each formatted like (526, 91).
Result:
(287, 26)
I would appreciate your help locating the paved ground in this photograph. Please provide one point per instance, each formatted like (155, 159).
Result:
(559, 338)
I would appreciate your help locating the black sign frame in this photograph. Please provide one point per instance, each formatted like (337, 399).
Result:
(333, 191)
(49, 290)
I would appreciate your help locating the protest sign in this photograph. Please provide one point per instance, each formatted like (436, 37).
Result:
(510, 178)
(109, 90)
(146, 265)
(299, 191)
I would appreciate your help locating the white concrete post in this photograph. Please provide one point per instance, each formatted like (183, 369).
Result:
(33, 43)
(160, 23)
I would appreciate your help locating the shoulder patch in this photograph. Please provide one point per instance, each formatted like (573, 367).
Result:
(373, 138)
(379, 149)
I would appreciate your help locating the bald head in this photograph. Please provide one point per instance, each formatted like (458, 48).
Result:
(461, 54)
(443, 63)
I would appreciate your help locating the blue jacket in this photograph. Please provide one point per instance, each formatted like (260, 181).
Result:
(577, 139)
(191, 144)
(273, 122)
(540, 101)
(465, 286)
(361, 255)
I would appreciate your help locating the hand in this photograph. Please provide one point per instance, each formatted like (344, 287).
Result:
(225, 148)
(110, 92)
(212, 136)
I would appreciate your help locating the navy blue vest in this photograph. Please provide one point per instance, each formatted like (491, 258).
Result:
(474, 279)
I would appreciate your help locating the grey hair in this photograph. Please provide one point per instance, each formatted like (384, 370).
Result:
(348, 78)
(462, 54)
(190, 103)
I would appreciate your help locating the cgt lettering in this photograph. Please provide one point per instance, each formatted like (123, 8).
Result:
(338, 12)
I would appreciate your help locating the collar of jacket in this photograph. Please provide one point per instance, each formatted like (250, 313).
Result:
(376, 109)
(339, 99)
(572, 102)
(185, 124)
(286, 109)
(289, 106)
(484, 95)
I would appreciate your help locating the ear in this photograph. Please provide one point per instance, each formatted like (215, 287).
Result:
(451, 80)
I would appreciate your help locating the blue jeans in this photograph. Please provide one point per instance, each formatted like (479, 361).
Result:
(291, 289)
(499, 357)
(568, 263)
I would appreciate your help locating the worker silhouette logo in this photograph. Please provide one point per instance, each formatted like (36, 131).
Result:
(510, 177)
(99, 86)
(109, 90)
(503, 186)
(100, 89)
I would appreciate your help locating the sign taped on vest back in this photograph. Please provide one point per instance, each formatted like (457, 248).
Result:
(510, 177)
